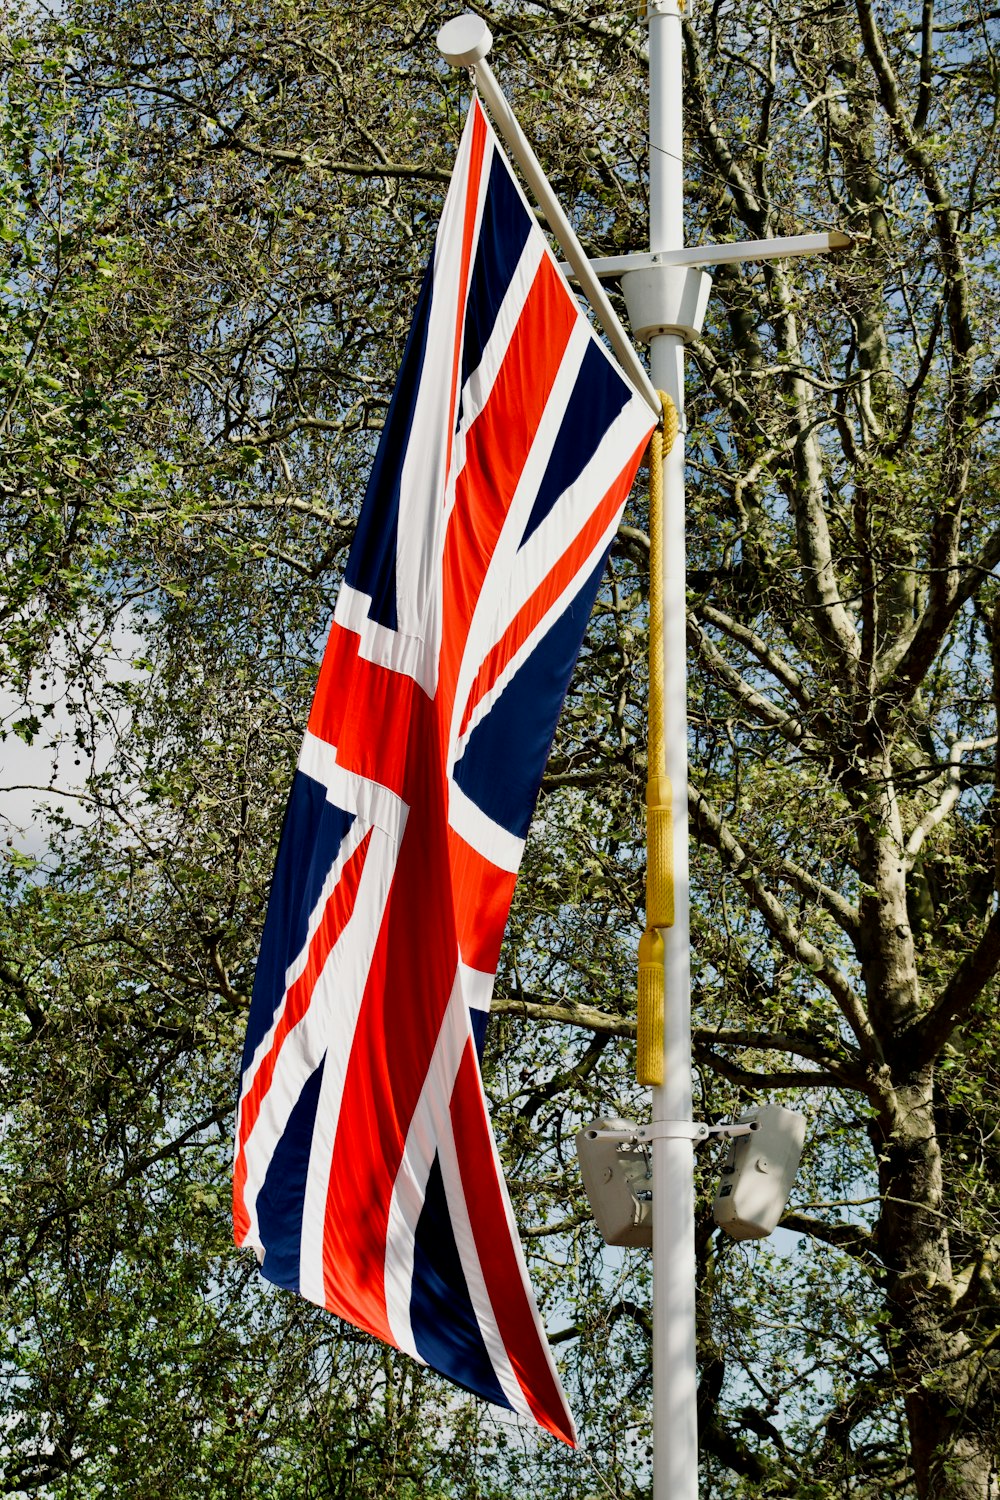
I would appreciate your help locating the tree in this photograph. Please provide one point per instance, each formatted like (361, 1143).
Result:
(216, 219)
(864, 578)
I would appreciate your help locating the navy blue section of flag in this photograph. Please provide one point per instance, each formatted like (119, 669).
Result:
(505, 787)
(371, 566)
(279, 1205)
(446, 1330)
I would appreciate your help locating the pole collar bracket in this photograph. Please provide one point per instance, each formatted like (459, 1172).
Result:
(666, 299)
(671, 1130)
(693, 1130)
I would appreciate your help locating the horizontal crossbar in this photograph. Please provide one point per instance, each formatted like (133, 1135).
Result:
(787, 247)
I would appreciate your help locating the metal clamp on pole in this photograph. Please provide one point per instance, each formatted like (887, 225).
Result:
(660, 1130)
(673, 1130)
(692, 1130)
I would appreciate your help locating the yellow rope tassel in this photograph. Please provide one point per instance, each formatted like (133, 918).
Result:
(649, 1036)
(659, 853)
(659, 796)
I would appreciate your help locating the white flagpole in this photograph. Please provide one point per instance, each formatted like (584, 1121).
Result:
(675, 1388)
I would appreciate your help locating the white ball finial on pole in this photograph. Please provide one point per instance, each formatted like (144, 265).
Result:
(464, 41)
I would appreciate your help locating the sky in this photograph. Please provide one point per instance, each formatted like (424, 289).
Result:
(51, 773)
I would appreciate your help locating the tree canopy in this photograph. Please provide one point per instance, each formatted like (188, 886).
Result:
(213, 219)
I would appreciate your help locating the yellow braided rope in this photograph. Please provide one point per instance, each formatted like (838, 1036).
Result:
(659, 799)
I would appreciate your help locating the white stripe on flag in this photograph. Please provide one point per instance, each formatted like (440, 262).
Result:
(480, 832)
(473, 1271)
(535, 560)
(320, 1035)
(492, 613)
(339, 995)
(393, 649)
(424, 475)
(570, 514)
(374, 804)
(515, 1240)
(476, 391)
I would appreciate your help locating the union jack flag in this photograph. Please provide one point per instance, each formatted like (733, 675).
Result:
(366, 1176)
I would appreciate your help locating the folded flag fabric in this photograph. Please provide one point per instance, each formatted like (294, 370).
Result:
(366, 1174)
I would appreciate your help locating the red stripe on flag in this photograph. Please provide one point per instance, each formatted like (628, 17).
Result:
(549, 590)
(492, 1231)
(472, 188)
(409, 985)
(367, 711)
(482, 895)
(336, 915)
(497, 447)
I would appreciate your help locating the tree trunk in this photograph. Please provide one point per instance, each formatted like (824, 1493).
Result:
(946, 1387)
(944, 1383)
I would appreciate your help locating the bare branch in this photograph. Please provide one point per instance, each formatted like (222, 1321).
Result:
(710, 826)
(588, 1017)
(827, 1054)
(851, 1238)
(748, 1078)
(801, 880)
(564, 1226)
(787, 725)
(959, 995)
(948, 798)
(779, 668)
